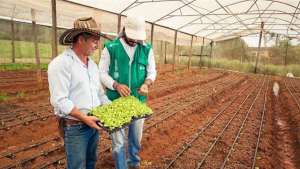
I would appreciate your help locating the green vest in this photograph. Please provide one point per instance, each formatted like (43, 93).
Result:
(121, 71)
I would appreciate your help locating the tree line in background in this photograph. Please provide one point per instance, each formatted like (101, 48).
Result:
(281, 53)
(23, 31)
(229, 52)
(285, 53)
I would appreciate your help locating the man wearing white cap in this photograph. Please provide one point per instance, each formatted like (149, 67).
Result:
(127, 67)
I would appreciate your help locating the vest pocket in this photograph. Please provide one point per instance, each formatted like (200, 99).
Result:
(141, 70)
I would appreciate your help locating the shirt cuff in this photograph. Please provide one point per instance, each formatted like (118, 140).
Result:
(107, 81)
(66, 107)
(111, 84)
(151, 77)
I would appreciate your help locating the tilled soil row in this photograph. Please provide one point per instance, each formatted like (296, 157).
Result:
(105, 146)
(198, 94)
(242, 153)
(185, 83)
(22, 74)
(35, 160)
(208, 146)
(178, 111)
(20, 113)
(280, 146)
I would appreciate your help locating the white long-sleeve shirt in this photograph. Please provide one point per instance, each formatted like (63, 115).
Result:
(105, 62)
(74, 84)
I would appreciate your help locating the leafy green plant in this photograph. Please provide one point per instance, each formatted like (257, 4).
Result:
(3, 97)
(121, 112)
(21, 94)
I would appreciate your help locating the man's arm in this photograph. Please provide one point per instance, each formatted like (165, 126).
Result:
(151, 69)
(102, 96)
(88, 120)
(104, 68)
(59, 79)
(151, 75)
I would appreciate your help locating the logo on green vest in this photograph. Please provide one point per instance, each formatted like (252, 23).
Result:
(116, 75)
(142, 67)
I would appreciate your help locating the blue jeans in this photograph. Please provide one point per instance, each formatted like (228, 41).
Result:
(135, 131)
(81, 144)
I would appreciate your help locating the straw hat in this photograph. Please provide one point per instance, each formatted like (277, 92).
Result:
(86, 24)
(135, 28)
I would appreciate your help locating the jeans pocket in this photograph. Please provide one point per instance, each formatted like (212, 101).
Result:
(73, 130)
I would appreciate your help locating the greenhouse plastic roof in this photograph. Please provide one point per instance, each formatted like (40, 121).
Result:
(212, 19)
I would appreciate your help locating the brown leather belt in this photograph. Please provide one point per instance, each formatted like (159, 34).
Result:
(70, 122)
(63, 122)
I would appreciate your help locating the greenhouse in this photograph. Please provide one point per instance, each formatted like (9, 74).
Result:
(224, 90)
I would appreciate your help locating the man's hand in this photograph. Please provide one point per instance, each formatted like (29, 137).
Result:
(91, 121)
(144, 90)
(122, 89)
(88, 120)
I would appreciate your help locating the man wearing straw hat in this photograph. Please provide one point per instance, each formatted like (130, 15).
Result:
(127, 67)
(75, 89)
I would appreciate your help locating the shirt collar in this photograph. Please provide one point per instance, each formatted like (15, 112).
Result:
(70, 52)
(122, 40)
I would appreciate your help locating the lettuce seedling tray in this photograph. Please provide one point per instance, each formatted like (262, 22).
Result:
(120, 113)
(107, 129)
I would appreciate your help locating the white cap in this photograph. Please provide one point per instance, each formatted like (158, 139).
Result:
(135, 28)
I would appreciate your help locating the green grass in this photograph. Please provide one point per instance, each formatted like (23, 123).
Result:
(25, 49)
(230, 64)
(3, 97)
(248, 67)
(21, 66)
(24, 52)
(20, 94)
(281, 70)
